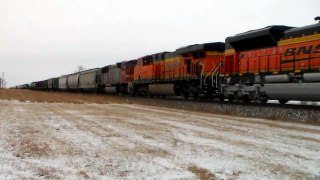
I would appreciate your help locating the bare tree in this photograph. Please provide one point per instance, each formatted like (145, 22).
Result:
(80, 68)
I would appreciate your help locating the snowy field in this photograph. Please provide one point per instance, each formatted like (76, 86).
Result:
(128, 141)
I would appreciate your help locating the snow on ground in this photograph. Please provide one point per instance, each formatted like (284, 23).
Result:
(128, 141)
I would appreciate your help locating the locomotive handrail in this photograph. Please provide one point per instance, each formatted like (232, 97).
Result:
(215, 72)
(211, 71)
(202, 67)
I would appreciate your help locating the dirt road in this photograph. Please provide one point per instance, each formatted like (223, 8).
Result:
(128, 141)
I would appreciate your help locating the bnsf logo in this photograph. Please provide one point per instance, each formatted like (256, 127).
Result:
(302, 50)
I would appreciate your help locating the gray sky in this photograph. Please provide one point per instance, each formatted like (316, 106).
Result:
(40, 39)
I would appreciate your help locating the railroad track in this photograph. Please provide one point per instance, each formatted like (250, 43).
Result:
(237, 103)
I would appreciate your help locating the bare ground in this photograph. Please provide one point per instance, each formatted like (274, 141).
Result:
(275, 112)
(84, 140)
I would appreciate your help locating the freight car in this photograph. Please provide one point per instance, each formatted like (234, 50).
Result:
(90, 80)
(73, 81)
(23, 86)
(111, 78)
(53, 84)
(63, 83)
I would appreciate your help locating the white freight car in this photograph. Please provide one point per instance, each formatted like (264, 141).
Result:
(89, 80)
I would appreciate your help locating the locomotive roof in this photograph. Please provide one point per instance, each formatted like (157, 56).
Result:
(302, 31)
(217, 46)
(159, 56)
(155, 57)
(264, 37)
(170, 55)
(90, 70)
(112, 66)
(129, 61)
(105, 69)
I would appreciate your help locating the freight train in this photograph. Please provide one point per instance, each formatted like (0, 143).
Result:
(272, 63)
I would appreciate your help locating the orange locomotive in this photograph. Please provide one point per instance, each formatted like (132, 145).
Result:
(276, 62)
(182, 72)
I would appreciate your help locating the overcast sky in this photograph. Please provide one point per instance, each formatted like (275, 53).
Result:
(40, 39)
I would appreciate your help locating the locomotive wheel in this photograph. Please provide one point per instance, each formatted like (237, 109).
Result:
(186, 96)
(221, 98)
(245, 98)
(195, 96)
(230, 98)
(263, 101)
(282, 101)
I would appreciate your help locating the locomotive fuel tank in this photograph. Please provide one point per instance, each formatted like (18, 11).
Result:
(311, 77)
(162, 89)
(110, 89)
(293, 91)
(281, 78)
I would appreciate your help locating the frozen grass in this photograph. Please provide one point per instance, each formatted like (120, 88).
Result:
(128, 141)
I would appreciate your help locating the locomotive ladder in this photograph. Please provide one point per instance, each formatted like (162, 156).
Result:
(214, 72)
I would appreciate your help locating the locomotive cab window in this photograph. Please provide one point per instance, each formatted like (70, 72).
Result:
(198, 55)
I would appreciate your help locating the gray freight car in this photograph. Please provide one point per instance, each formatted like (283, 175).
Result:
(90, 80)
(63, 83)
(111, 78)
(73, 81)
(55, 83)
(50, 82)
